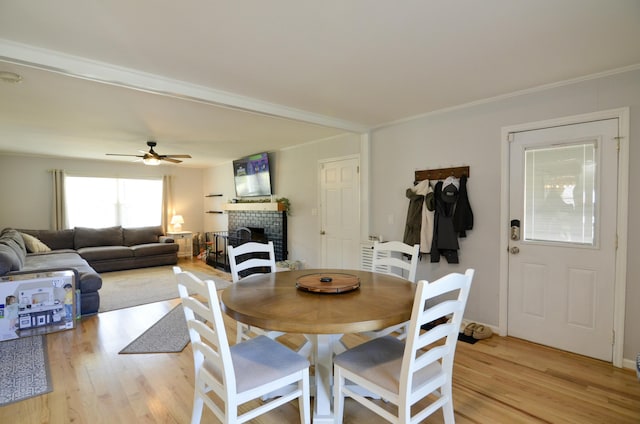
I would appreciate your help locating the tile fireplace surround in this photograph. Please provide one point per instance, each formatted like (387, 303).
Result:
(274, 225)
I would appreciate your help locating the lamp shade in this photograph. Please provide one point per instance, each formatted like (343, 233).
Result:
(177, 221)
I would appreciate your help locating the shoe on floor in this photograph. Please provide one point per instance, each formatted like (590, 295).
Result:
(481, 332)
(468, 330)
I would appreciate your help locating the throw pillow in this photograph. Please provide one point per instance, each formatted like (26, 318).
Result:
(34, 245)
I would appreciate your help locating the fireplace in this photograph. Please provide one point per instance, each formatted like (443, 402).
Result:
(244, 226)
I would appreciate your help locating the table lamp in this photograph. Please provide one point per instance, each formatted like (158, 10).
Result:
(177, 222)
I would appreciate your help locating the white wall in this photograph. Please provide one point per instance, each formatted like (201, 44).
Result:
(471, 136)
(26, 187)
(296, 178)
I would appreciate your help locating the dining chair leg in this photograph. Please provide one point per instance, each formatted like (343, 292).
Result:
(338, 397)
(304, 404)
(198, 405)
(447, 408)
(239, 332)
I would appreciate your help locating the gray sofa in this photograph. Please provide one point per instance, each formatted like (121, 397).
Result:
(87, 251)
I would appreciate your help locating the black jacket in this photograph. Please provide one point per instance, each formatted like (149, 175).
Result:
(463, 215)
(445, 239)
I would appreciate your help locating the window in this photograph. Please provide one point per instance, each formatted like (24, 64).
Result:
(105, 202)
(560, 193)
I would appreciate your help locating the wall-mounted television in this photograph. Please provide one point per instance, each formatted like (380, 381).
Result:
(252, 176)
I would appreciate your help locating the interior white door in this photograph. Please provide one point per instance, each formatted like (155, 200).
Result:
(340, 213)
(563, 192)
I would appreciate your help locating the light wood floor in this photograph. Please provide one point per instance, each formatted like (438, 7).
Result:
(500, 380)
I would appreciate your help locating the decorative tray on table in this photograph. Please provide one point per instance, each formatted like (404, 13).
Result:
(328, 282)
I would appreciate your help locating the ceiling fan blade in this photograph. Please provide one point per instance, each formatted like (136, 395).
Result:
(176, 156)
(151, 155)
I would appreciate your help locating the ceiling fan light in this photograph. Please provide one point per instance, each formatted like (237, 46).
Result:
(151, 161)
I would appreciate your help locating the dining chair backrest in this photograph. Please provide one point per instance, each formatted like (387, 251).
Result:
(250, 258)
(442, 300)
(389, 257)
(209, 343)
(263, 365)
(417, 371)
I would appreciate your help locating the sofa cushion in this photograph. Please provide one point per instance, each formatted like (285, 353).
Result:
(141, 235)
(12, 239)
(55, 239)
(33, 244)
(8, 260)
(102, 253)
(153, 249)
(89, 237)
(88, 279)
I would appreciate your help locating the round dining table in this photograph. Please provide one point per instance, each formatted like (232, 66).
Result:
(281, 302)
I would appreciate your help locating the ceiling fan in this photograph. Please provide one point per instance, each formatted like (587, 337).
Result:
(152, 158)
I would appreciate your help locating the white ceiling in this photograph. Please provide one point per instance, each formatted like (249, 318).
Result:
(220, 79)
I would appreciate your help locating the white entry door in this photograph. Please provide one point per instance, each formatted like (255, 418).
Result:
(340, 213)
(562, 252)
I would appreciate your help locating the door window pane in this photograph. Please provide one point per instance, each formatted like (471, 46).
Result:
(560, 193)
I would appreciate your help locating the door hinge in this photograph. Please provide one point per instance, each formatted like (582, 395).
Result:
(617, 139)
(613, 337)
(358, 169)
(510, 137)
(616, 246)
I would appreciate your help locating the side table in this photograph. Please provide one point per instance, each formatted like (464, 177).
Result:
(184, 239)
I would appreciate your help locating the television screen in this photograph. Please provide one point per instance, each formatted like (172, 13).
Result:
(252, 176)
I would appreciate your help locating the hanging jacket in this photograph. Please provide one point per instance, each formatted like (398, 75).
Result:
(426, 228)
(463, 215)
(445, 239)
(414, 218)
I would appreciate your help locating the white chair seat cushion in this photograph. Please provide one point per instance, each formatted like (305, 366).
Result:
(380, 360)
(254, 368)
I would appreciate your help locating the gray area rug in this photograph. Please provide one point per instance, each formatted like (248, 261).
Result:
(169, 335)
(24, 369)
(124, 289)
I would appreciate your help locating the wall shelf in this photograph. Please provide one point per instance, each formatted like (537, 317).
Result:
(217, 204)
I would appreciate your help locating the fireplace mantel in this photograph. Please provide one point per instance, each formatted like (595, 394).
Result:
(255, 206)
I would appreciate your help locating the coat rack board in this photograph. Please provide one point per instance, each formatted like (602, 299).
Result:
(441, 174)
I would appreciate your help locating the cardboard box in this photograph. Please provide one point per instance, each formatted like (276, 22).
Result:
(37, 303)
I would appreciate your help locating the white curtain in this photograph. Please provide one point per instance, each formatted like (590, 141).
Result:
(167, 202)
(58, 208)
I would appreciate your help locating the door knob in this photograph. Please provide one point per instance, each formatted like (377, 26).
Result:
(322, 233)
(514, 250)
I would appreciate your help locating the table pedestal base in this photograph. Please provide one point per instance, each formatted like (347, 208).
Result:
(323, 353)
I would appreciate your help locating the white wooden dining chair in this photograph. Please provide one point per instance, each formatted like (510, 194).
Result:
(258, 259)
(390, 258)
(232, 376)
(407, 373)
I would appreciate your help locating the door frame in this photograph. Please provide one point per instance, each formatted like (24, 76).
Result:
(620, 284)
